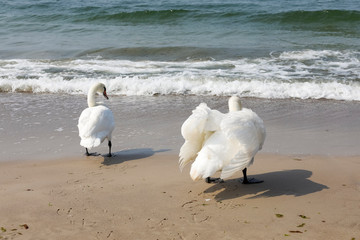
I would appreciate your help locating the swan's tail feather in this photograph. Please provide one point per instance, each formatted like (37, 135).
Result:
(90, 142)
(193, 132)
(238, 163)
(188, 153)
(205, 165)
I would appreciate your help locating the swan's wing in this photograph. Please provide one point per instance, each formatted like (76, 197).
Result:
(195, 130)
(105, 123)
(261, 131)
(95, 124)
(211, 157)
(245, 131)
(84, 124)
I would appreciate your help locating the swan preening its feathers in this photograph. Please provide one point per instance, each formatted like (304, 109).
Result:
(96, 122)
(221, 142)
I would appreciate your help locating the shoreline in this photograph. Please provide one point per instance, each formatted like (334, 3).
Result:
(143, 195)
(44, 126)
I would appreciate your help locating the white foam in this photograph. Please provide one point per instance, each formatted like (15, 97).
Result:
(298, 74)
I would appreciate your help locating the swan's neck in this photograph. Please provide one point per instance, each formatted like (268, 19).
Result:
(234, 104)
(234, 108)
(91, 98)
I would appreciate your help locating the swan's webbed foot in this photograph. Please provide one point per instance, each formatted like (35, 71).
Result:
(213, 180)
(251, 181)
(247, 180)
(91, 154)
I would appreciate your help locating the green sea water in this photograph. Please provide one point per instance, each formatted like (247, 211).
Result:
(266, 49)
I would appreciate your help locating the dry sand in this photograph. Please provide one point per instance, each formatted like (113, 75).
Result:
(141, 194)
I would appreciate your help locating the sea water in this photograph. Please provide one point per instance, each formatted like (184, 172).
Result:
(266, 49)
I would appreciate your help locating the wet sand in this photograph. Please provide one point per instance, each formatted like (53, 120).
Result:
(50, 190)
(44, 126)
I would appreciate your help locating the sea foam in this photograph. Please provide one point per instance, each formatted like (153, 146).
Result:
(297, 74)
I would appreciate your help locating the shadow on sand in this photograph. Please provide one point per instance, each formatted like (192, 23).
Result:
(131, 154)
(287, 182)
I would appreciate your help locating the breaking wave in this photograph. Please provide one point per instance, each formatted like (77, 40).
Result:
(307, 74)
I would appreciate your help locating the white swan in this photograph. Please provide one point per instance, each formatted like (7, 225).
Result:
(96, 122)
(221, 142)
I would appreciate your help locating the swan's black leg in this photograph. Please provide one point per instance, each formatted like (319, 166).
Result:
(213, 180)
(109, 144)
(247, 180)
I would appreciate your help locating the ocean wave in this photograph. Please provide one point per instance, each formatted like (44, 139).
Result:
(294, 74)
(142, 87)
(143, 16)
(173, 14)
(320, 16)
(206, 14)
(171, 53)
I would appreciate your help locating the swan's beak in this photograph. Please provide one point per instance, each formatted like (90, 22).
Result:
(105, 95)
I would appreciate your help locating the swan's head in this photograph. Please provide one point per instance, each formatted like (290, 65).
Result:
(100, 88)
(96, 88)
(234, 104)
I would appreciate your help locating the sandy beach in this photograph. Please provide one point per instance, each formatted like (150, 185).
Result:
(50, 190)
(140, 194)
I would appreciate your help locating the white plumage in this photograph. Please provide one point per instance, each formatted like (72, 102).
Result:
(221, 142)
(96, 122)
